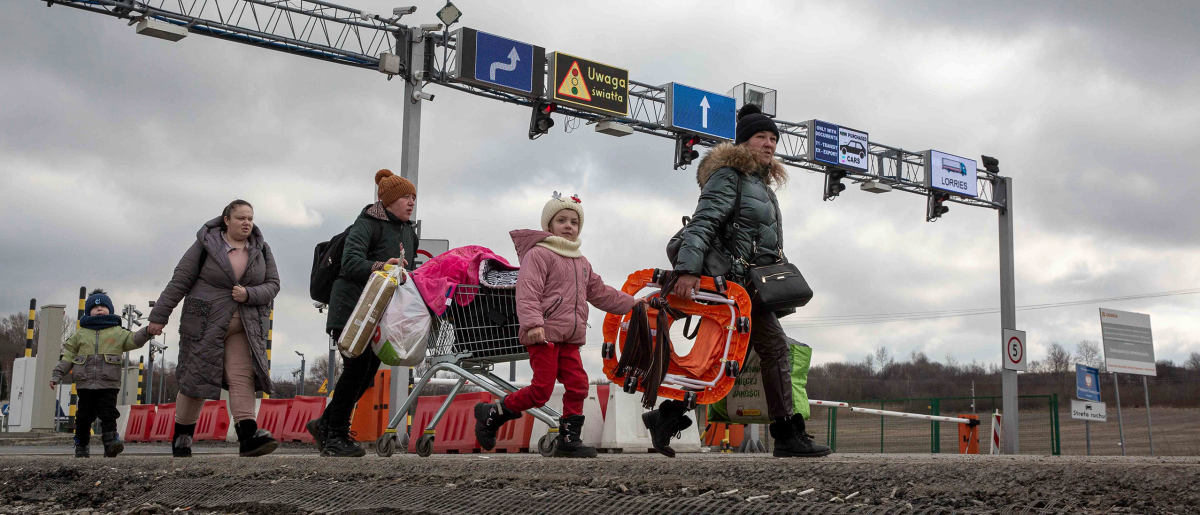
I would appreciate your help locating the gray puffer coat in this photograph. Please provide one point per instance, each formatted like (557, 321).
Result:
(204, 281)
(758, 237)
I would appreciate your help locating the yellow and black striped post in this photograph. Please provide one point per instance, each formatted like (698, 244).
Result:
(74, 405)
(82, 300)
(141, 380)
(29, 328)
(270, 334)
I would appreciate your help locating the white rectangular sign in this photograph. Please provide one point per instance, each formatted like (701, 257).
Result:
(1128, 342)
(1014, 350)
(951, 173)
(1088, 410)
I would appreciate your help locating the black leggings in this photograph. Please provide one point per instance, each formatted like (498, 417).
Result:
(358, 374)
(95, 404)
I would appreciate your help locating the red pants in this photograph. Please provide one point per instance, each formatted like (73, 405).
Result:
(560, 362)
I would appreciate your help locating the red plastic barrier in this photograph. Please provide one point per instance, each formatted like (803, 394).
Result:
(213, 423)
(303, 410)
(371, 413)
(163, 428)
(602, 393)
(139, 423)
(456, 430)
(426, 407)
(272, 414)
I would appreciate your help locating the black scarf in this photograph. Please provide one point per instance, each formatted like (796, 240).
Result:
(99, 322)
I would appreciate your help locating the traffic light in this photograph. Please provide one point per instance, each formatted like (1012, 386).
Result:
(540, 123)
(991, 164)
(833, 184)
(936, 207)
(684, 153)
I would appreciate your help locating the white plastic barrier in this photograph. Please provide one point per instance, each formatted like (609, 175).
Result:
(593, 425)
(122, 420)
(624, 430)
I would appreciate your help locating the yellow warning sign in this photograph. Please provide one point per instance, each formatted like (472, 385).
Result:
(323, 386)
(573, 84)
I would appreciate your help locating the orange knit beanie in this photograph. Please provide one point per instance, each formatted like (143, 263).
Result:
(392, 187)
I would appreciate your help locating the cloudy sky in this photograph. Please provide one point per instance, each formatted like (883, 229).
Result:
(116, 148)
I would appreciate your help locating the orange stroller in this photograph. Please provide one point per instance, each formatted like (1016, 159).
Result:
(706, 373)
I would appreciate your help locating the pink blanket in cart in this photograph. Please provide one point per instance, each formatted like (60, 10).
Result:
(437, 278)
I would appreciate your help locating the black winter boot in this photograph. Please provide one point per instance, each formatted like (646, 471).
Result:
(81, 449)
(253, 441)
(489, 416)
(569, 444)
(668, 421)
(181, 444)
(112, 444)
(340, 443)
(793, 443)
(319, 429)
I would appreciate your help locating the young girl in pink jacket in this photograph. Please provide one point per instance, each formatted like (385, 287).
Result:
(554, 287)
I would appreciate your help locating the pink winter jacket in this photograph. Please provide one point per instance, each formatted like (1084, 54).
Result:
(553, 291)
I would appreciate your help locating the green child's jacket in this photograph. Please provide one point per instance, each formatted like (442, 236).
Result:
(95, 356)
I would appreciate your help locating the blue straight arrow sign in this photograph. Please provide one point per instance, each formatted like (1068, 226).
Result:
(701, 112)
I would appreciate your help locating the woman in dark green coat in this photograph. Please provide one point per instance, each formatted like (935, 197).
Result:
(383, 234)
(752, 236)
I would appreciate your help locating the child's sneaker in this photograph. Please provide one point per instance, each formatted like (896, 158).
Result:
(112, 444)
(488, 419)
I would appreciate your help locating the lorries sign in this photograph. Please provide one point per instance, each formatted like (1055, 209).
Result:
(589, 85)
(841, 147)
(950, 173)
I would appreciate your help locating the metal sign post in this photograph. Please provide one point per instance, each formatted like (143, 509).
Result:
(1149, 425)
(1008, 314)
(1120, 421)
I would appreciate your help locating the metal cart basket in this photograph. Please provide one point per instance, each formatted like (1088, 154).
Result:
(478, 330)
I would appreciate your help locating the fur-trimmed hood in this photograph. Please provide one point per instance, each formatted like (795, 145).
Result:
(737, 157)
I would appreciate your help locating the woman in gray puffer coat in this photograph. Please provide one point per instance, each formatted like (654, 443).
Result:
(227, 281)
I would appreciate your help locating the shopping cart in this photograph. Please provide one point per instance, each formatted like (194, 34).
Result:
(478, 330)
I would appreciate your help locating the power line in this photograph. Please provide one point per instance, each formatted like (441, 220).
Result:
(915, 316)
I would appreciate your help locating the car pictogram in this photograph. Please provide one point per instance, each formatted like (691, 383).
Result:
(854, 147)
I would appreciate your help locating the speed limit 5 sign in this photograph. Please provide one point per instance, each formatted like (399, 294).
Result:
(1014, 350)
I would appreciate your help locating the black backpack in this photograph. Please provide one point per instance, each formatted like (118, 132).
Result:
(327, 265)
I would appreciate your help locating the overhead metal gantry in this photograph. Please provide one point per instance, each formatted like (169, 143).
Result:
(343, 35)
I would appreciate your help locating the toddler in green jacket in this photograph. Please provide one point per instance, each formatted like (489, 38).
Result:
(94, 355)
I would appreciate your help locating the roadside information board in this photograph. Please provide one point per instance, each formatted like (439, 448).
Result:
(1128, 342)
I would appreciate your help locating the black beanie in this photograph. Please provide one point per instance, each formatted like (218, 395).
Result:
(751, 121)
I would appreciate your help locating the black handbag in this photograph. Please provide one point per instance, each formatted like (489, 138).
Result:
(716, 260)
(778, 287)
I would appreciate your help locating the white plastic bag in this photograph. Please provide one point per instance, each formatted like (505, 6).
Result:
(399, 339)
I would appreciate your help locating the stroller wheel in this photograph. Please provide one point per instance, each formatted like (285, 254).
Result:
(743, 325)
(608, 350)
(425, 446)
(689, 398)
(385, 446)
(546, 445)
(732, 368)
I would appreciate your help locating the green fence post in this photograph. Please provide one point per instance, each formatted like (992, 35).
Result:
(935, 441)
(881, 429)
(832, 439)
(1057, 443)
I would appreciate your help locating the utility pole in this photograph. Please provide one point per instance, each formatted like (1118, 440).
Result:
(301, 354)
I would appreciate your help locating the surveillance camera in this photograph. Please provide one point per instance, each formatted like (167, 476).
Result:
(421, 95)
(404, 11)
(151, 303)
(431, 27)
